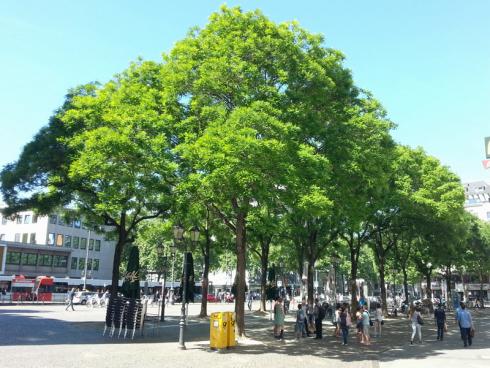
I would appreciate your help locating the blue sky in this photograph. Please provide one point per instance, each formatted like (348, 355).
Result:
(428, 62)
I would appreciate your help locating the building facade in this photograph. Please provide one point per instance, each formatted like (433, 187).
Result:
(49, 245)
(477, 199)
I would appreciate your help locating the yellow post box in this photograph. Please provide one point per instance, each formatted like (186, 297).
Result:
(218, 330)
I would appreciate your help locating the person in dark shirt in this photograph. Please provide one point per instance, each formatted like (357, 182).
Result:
(440, 319)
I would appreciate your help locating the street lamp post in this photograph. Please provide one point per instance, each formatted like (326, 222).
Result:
(179, 237)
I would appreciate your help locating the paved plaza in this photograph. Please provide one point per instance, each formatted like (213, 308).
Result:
(38, 336)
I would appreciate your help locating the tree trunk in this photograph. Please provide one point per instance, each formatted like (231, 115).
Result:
(121, 242)
(449, 301)
(381, 267)
(405, 284)
(205, 276)
(354, 258)
(264, 260)
(310, 280)
(241, 249)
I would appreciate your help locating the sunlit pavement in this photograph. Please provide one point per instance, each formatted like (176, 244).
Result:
(48, 336)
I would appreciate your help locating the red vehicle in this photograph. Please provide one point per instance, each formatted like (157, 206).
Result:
(21, 288)
(43, 289)
(212, 299)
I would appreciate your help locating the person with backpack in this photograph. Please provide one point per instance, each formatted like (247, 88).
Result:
(300, 325)
(319, 313)
(417, 322)
(366, 323)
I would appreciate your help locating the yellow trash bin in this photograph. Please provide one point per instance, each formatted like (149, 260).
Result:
(218, 330)
(231, 329)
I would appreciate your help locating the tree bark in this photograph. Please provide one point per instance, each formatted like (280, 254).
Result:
(205, 275)
(264, 260)
(381, 267)
(405, 283)
(449, 301)
(310, 280)
(241, 249)
(121, 242)
(354, 261)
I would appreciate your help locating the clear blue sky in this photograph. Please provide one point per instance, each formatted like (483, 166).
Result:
(428, 62)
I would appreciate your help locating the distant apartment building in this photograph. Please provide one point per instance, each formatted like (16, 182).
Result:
(48, 245)
(477, 199)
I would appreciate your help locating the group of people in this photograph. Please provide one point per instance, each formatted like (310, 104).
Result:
(309, 319)
(462, 316)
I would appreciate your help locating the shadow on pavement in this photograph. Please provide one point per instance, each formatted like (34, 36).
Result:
(20, 329)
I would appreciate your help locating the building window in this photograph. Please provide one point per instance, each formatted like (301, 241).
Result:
(81, 263)
(53, 219)
(83, 243)
(27, 219)
(34, 219)
(29, 259)
(4, 220)
(95, 264)
(89, 264)
(76, 242)
(91, 244)
(45, 260)
(13, 258)
(2, 236)
(17, 237)
(59, 240)
(25, 237)
(77, 223)
(67, 241)
(61, 221)
(60, 261)
(488, 216)
(32, 238)
(18, 219)
(51, 239)
(97, 245)
(74, 263)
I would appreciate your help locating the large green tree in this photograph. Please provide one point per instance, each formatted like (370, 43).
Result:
(110, 157)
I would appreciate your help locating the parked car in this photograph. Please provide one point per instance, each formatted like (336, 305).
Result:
(212, 298)
(81, 297)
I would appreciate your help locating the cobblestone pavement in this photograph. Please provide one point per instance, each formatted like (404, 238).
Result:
(38, 336)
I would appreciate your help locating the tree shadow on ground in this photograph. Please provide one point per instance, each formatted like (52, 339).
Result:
(393, 344)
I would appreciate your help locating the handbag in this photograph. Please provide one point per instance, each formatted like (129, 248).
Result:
(472, 332)
(420, 321)
(445, 327)
(382, 322)
(371, 323)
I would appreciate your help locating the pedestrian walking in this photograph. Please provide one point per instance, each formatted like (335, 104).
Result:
(440, 319)
(466, 324)
(359, 323)
(378, 320)
(70, 297)
(417, 322)
(278, 319)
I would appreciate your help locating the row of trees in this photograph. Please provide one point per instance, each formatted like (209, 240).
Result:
(256, 132)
